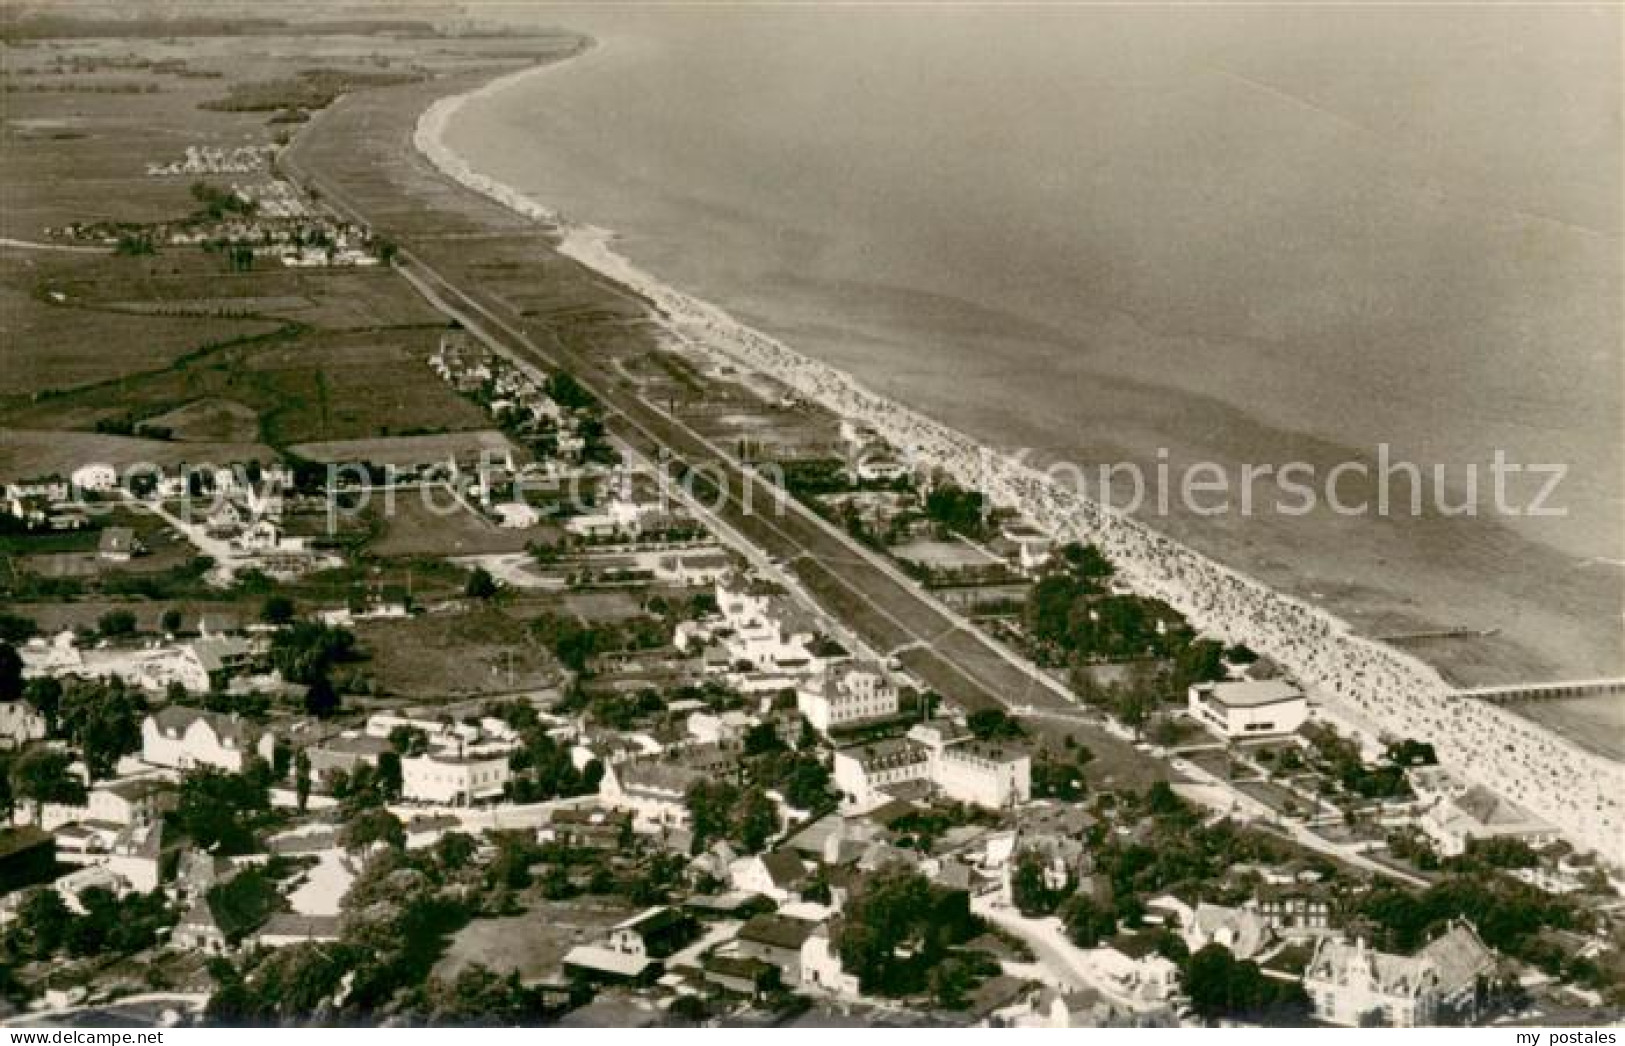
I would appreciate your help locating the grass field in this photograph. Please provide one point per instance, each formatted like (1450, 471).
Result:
(212, 419)
(533, 943)
(455, 654)
(46, 346)
(413, 528)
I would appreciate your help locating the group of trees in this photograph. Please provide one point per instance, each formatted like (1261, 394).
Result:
(1221, 986)
(44, 927)
(575, 642)
(1340, 763)
(214, 204)
(956, 510)
(903, 935)
(100, 719)
(39, 776)
(223, 812)
(306, 652)
(398, 914)
(11, 673)
(720, 809)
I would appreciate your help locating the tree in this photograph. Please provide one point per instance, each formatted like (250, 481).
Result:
(1133, 708)
(991, 724)
(116, 623)
(220, 811)
(45, 694)
(806, 785)
(171, 621)
(1088, 921)
(762, 739)
(11, 673)
(710, 804)
(454, 850)
(14, 628)
(276, 610)
(950, 981)
(243, 902)
(321, 700)
(301, 779)
(369, 827)
(481, 585)
(389, 774)
(408, 740)
(1220, 986)
(899, 926)
(44, 775)
(1029, 888)
(691, 1009)
(306, 650)
(104, 721)
(41, 924)
(757, 820)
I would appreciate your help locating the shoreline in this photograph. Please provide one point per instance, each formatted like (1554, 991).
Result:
(1578, 791)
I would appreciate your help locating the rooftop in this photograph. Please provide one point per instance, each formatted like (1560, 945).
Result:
(1253, 693)
(777, 931)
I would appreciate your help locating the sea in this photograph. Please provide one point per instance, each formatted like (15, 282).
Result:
(1200, 239)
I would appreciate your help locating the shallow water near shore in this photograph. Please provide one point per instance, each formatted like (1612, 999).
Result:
(1098, 233)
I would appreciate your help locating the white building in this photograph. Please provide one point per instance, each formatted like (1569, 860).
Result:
(1249, 708)
(863, 773)
(1032, 546)
(846, 693)
(1351, 984)
(653, 791)
(1478, 813)
(1244, 933)
(183, 738)
(1136, 969)
(454, 780)
(516, 515)
(821, 968)
(98, 477)
(693, 568)
(983, 774)
(20, 723)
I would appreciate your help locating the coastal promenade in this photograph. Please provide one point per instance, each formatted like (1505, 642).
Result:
(564, 300)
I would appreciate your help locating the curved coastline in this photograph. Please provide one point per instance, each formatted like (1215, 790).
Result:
(1580, 793)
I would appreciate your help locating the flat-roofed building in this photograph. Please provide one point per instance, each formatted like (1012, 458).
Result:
(454, 779)
(1249, 708)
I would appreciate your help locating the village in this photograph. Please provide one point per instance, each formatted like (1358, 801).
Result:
(691, 819)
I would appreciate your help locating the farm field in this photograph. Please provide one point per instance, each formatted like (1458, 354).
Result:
(287, 387)
(35, 452)
(408, 451)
